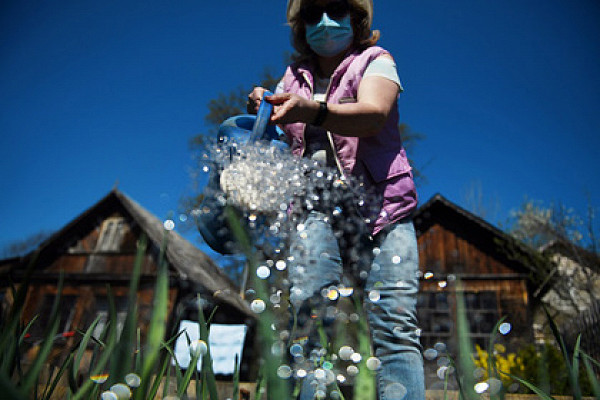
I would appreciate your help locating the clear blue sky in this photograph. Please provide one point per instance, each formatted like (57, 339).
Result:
(91, 92)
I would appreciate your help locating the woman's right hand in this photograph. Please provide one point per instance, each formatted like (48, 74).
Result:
(254, 99)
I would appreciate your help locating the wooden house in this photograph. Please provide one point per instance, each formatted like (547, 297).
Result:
(495, 273)
(96, 250)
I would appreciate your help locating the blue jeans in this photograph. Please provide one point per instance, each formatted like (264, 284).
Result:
(390, 295)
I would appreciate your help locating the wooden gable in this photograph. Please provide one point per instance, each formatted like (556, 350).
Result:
(457, 245)
(96, 251)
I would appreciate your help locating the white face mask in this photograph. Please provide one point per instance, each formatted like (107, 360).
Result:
(330, 37)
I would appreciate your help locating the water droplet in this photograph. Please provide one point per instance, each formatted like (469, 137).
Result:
(396, 259)
(395, 391)
(263, 272)
(442, 284)
(440, 347)
(183, 217)
(121, 390)
(320, 374)
(505, 328)
(296, 349)
(345, 291)
(352, 370)
(373, 363)
(430, 354)
(257, 306)
(169, 224)
(481, 387)
(341, 378)
(301, 373)
(346, 352)
(374, 296)
(284, 372)
(495, 385)
(133, 380)
(332, 294)
(100, 378)
(356, 358)
(280, 265)
(198, 348)
(376, 251)
(108, 395)
(442, 372)
(428, 275)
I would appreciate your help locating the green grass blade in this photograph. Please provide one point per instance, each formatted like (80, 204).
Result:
(541, 394)
(183, 385)
(236, 380)
(10, 330)
(178, 375)
(27, 328)
(276, 387)
(32, 375)
(211, 382)
(364, 387)
(123, 357)
(490, 349)
(198, 385)
(164, 364)
(158, 322)
(260, 383)
(52, 386)
(82, 347)
(591, 374)
(576, 354)
(573, 375)
(465, 362)
(111, 341)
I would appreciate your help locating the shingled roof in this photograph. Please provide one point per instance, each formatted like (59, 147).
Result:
(187, 261)
(479, 232)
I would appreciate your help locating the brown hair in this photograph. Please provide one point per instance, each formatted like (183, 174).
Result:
(361, 25)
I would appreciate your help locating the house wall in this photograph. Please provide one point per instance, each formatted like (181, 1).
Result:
(492, 289)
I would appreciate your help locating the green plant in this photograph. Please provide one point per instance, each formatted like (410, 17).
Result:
(542, 371)
(132, 367)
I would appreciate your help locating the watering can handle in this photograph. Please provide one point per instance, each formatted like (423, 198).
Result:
(262, 118)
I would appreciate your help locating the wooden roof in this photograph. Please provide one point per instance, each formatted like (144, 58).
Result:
(477, 231)
(187, 261)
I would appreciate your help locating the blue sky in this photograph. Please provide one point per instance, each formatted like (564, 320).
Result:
(507, 94)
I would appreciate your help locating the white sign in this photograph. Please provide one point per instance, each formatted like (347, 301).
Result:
(225, 341)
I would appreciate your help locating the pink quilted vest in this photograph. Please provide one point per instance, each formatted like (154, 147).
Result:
(380, 160)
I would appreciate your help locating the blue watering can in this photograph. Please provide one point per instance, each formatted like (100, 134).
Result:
(241, 129)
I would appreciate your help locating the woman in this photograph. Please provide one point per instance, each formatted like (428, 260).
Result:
(338, 105)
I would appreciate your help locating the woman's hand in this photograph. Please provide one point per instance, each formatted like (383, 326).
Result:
(254, 99)
(288, 108)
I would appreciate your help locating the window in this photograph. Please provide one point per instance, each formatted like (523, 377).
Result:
(482, 314)
(66, 314)
(435, 318)
(102, 311)
(110, 235)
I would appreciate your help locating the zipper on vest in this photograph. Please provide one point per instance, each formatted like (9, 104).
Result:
(330, 137)
(329, 134)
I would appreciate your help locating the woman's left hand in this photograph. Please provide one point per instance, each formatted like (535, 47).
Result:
(288, 108)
